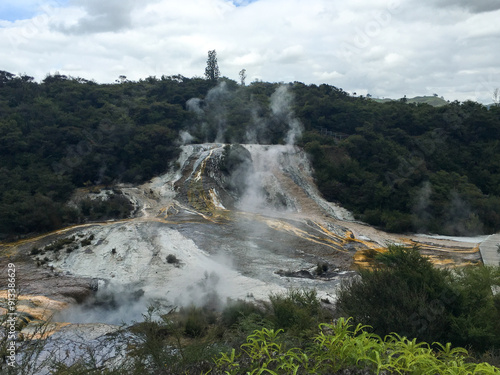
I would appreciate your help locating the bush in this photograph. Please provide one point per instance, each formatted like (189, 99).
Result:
(407, 295)
(477, 323)
(321, 268)
(341, 346)
(116, 206)
(196, 321)
(87, 241)
(298, 310)
(59, 244)
(236, 311)
(172, 259)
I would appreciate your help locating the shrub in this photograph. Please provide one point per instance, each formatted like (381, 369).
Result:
(172, 259)
(477, 322)
(407, 295)
(321, 268)
(196, 321)
(298, 310)
(35, 251)
(341, 346)
(59, 244)
(87, 241)
(236, 311)
(116, 206)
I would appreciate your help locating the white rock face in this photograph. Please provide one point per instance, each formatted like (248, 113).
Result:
(133, 256)
(285, 170)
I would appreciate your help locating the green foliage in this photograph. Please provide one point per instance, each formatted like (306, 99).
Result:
(116, 206)
(340, 346)
(196, 320)
(176, 343)
(407, 295)
(298, 310)
(164, 345)
(66, 132)
(477, 323)
(58, 245)
(236, 312)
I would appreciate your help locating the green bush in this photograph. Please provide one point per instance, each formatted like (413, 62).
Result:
(477, 323)
(197, 320)
(407, 295)
(341, 346)
(236, 311)
(298, 310)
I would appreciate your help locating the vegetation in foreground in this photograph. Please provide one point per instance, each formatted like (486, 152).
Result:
(408, 295)
(341, 348)
(405, 317)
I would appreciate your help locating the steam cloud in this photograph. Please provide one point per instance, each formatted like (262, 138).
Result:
(461, 220)
(281, 107)
(212, 117)
(421, 209)
(213, 111)
(111, 304)
(185, 137)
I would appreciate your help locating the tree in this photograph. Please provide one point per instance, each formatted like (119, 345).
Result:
(243, 76)
(5, 77)
(496, 97)
(212, 72)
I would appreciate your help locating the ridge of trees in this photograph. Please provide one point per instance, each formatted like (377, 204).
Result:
(399, 166)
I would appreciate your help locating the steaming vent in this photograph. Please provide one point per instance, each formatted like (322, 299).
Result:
(265, 179)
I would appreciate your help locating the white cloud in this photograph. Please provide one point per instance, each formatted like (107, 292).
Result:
(386, 47)
(102, 16)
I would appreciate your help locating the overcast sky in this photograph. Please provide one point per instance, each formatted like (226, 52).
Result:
(388, 48)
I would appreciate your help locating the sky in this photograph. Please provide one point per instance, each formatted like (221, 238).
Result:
(385, 48)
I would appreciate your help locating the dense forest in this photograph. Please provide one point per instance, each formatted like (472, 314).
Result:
(397, 165)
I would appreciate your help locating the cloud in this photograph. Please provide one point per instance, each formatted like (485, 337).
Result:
(388, 48)
(102, 16)
(473, 6)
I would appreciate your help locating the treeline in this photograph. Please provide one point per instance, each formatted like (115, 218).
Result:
(400, 166)
(65, 133)
(407, 167)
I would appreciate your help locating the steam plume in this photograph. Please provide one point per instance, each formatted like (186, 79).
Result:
(281, 107)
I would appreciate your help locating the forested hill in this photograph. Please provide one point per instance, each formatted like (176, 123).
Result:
(400, 166)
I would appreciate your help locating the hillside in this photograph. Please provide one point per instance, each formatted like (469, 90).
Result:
(400, 166)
